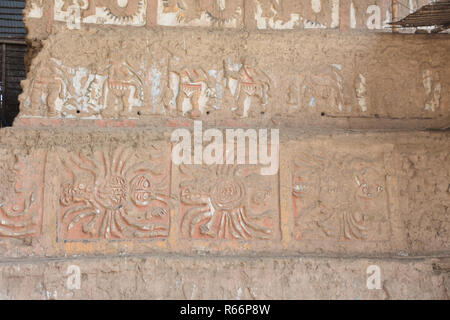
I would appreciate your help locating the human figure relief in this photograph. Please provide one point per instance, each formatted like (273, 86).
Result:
(250, 87)
(324, 87)
(194, 84)
(46, 87)
(123, 84)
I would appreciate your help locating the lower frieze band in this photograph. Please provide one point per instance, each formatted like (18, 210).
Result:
(355, 194)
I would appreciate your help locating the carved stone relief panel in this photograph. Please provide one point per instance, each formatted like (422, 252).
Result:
(317, 88)
(329, 14)
(340, 194)
(221, 13)
(119, 85)
(21, 193)
(114, 193)
(292, 14)
(117, 12)
(227, 202)
(172, 76)
(372, 15)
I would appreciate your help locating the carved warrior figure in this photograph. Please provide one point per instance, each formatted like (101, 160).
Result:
(123, 85)
(119, 10)
(217, 198)
(195, 86)
(112, 196)
(218, 11)
(46, 87)
(326, 84)
(318, 87)
(249, 86)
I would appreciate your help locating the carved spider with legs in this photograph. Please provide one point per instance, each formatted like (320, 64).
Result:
(113, 195)
(218, 196)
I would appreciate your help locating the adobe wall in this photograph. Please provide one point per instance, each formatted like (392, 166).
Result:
(364, 163)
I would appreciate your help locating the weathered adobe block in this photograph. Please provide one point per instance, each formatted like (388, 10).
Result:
(425, 210)
(319, 79)
(231, 278)
(86, 192)
(342, 191)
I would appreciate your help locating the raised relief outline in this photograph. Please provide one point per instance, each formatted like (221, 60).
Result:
(333, 197)
(21, 216)
(220, 203)
(222, 13)
(115, 194)
(117, 12)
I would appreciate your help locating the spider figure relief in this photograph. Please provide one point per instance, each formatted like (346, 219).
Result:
(226, 202)
(115, 194)
(342, 198)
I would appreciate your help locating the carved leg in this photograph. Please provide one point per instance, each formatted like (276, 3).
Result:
(109, 111)
(240, 103)
(190, 219)
(180, 99)
(124, 99)
(207, 228)
(52, 95)
(35, 99)
(195, 112)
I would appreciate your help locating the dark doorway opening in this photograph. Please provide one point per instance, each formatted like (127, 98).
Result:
(12, 52)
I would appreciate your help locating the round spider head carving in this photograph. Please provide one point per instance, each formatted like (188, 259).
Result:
(220, 205)
(228, 193)
(111, 192)
(141, 190)
(370, 183)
